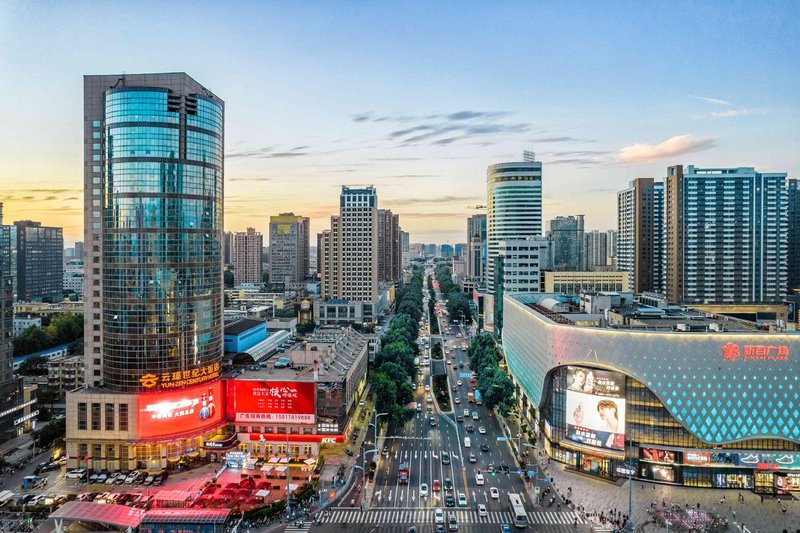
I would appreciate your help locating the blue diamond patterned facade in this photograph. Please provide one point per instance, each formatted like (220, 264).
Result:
(696, 399)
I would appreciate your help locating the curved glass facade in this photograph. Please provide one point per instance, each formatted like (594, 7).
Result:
(162, 223)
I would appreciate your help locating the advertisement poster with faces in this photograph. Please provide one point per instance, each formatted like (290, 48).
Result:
(596, 407)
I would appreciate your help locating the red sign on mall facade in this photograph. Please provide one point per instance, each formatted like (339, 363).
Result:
(755, 352)
(280, 402)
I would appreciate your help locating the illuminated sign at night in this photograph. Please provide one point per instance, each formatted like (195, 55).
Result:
(299, 437)
(287, 402)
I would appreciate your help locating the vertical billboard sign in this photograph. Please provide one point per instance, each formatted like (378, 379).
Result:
(596, 407)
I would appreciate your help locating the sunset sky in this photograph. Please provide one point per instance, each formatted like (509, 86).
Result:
(416, 98)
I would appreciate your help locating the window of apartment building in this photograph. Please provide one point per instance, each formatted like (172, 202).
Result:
(109, 417)
(307, 449)
(95, 417)
(82, 416)
(111, 452)
(123, 417)
(83, 450)
(97, 450)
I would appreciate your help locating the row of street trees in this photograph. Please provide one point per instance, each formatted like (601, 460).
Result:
(457, 301)
(394, 363)
(494, 384)
(432, 307)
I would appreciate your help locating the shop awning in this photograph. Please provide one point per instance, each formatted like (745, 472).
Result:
(97, 513)
(283, 460)
(310, 461)
(273, 459)
(281, 468)
(262, 493)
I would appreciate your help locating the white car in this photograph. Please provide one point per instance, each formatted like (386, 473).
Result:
(427, 388)
(494, 493)
(482, 430)
(462, 500)
(457, 400)
(438, 515)
(475, 415)
(459, 382)
(111, 479)
(479, 479)
(423, 490)
(466, 412)
(482, 510)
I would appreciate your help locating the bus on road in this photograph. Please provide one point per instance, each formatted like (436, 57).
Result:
(517, 510)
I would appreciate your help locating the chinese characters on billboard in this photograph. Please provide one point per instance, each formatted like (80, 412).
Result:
(173, 412)
(285, 402)
(596, 407)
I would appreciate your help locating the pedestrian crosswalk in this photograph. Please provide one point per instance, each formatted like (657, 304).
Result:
(296, 527)
(422, 516)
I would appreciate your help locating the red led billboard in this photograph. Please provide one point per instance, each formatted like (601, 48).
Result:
(194, 409)
(287, 402)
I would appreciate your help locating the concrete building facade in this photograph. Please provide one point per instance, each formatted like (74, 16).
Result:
(289, 253)
(247, 250)
(640, 249)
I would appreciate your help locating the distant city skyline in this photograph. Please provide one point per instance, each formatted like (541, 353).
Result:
(415, 99)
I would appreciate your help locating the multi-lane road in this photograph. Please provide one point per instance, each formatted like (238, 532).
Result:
(423, 446)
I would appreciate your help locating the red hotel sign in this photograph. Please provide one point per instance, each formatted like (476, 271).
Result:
(755, 352)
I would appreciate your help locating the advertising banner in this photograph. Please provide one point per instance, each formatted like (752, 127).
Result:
(697, 458)
(596, 407)
(283, 402)
(658, 473)
(658, 456)
(162, 414)
(296, 437)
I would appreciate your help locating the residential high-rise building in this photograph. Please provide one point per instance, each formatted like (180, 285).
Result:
(389, 253)
(476, 247)
(459, 250)
(446, 251)
(640, 249)
(350, 248)
(726, 235)
(793, 236)
(79, 250)
(11, 391)
(405, 249)
(518, 268)
(289, 248)
(514, 193)
(611, 247)
(153, 181)
(567, 236)
(595, 252)
(247, 254)
(36, 261)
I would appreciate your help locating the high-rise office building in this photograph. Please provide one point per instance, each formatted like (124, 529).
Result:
(793, 236)
(153, 181)
(389, 253)
(79, 250)
(726, 235)
(349, 250)
(567, 236)
(595, 252)
(289, 248)
(514, 192)
(446, 251)
(248, 266)
(405, 249)
(36, 261)
(476, 247)
(640, 249)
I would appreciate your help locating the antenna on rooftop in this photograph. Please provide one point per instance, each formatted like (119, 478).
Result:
(529, 156)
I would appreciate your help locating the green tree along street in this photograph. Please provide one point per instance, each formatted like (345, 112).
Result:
(457, 301)
(394, 363)
(495, 386)
(63, 329)
(33, 366)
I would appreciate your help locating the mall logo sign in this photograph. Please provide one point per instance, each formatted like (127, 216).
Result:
(755, 352)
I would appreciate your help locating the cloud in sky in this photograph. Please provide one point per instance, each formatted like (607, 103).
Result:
(674, 146)
(442, 129)
(269, 152)
(715, 101)
(399, 202)
(743, 112)
(561, 140)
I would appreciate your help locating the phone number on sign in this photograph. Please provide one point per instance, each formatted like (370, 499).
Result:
(275, 417)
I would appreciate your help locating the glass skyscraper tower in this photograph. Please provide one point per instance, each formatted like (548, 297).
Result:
(153, 147)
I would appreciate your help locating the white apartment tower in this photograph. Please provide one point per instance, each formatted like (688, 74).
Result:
(247, 250)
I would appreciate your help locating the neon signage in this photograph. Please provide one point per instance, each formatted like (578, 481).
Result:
(755, 352)
(180, 379)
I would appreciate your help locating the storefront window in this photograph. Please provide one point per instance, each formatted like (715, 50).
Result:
(307, 451)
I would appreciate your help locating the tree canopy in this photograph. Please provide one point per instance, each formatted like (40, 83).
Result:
(63, 328)
(494, 384)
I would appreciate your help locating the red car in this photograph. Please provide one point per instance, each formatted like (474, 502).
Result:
(436, 487)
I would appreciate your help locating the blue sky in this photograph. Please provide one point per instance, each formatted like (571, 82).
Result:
(417, 98)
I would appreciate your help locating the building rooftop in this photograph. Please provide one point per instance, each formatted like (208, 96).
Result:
(240, 326)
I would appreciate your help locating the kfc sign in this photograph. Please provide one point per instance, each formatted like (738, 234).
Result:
(163, 414)
(282, 402)
(755, 352)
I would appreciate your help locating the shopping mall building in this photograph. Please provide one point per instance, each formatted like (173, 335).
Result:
(671, 395)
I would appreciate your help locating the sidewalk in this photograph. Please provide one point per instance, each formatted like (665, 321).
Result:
(596, 496)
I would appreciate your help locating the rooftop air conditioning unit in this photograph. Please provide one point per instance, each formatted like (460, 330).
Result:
(682, 327)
